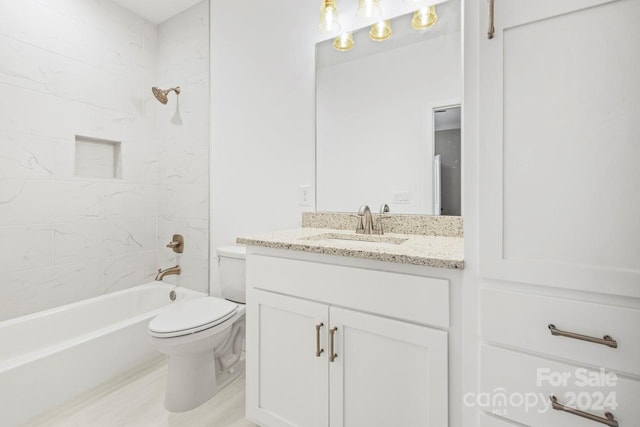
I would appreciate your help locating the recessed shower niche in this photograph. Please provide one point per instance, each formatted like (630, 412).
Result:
(97, 158)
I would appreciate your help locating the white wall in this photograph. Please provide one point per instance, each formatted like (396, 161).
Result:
(183, 139)
(73, 68)
(262, 65)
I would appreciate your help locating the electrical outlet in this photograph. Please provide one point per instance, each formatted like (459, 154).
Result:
(305, 195)
(402, 197)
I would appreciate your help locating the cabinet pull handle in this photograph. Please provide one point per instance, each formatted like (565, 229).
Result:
(332, 355)
(606, 340)
(492, 28)
(609, 419)
(319, 350)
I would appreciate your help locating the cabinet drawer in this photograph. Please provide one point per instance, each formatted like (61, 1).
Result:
(523, 378)
(522, 320)
(414, 298)
(490, 421)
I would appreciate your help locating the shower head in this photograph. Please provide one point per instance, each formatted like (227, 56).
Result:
(161, 95)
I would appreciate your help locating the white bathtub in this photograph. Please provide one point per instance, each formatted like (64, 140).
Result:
(53, 356)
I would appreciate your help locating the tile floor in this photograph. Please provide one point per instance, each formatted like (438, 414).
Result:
(138, 401)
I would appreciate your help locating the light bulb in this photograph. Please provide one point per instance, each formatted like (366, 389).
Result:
(344, 42)
(368, 9)
(380, 31)
(424, 18)
(329, 17)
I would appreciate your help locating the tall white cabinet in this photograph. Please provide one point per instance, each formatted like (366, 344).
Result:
(557, 114)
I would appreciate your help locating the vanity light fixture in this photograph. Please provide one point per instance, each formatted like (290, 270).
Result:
(424, 18)
(368, 9)
(343, 42)
(329, 17)
(381, 31)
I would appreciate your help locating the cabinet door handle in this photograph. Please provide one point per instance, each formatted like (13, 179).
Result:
(606, 340)
(608, 419)
(319, 350)
(492, 28)
(332, 354)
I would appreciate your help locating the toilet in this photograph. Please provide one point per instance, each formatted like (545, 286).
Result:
(203, 337)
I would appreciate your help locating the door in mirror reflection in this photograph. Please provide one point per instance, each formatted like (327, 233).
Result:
(447, 160)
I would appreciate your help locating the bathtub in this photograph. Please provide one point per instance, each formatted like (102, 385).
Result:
(53, 356)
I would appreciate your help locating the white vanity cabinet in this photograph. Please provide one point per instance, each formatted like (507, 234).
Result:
(341, 346)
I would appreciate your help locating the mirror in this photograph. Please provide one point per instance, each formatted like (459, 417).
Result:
(388, 119)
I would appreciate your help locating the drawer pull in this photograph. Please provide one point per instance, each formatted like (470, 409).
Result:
(332, 355)
(492, 28)
(606, 340)
(608, 419)
(318, 349)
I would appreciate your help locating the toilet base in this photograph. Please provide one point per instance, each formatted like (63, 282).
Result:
(192, 380)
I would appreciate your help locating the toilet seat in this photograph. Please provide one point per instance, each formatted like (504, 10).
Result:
(192, 316)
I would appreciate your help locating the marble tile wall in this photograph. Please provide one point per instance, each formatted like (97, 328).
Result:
(77, 67)
(183, 139)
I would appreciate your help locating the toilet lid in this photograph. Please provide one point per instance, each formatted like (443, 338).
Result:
(192, 316)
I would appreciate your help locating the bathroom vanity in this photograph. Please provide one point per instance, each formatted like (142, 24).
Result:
(351, 332)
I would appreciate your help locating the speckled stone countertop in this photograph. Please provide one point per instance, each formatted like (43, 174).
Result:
(430, 251)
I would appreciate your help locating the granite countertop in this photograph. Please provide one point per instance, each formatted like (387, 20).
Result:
(426, 250)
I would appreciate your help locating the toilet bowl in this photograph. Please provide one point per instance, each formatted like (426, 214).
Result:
(203, 338)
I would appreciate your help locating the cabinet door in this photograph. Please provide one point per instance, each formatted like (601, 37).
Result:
(387, 373)
(559, 144)
(287, 384)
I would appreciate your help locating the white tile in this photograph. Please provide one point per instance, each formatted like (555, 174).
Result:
(124, 236)
(25, 247)
(36, 24)
(125, 271)
(33, 290)
(27, 111)
(74, 240)
(27, 156)
(184, 201)
(184, 164)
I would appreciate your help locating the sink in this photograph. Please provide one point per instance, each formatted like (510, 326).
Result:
(359, 240)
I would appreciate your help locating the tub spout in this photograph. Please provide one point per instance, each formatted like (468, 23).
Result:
(168, 271)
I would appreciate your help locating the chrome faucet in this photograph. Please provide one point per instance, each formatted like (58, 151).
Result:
(168, 271)
(367, 227)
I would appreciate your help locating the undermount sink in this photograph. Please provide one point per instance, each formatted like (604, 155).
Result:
(359, 240)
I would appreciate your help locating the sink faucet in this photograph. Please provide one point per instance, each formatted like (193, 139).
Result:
(168, 271)
(367, 227)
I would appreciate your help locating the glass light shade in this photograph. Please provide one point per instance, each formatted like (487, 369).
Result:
(344, 42)
(368, 9)
(380, 31)
(416, 3)
(424, 18)
(329, 17)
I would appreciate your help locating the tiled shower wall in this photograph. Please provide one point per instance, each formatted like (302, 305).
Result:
(77, 67)
(183, 139)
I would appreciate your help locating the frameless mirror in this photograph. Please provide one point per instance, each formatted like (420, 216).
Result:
(388, 119)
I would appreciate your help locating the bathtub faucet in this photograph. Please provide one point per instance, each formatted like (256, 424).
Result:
(168, 271)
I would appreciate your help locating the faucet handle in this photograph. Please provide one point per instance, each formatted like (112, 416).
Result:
(177, 244)
(379, 230)
(384, 208)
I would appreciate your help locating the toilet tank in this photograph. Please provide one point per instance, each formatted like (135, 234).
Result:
(231, 271)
